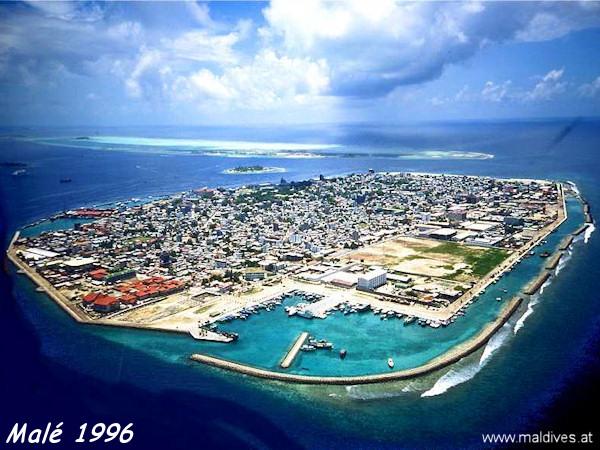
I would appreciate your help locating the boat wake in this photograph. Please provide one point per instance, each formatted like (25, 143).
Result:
(459, 375)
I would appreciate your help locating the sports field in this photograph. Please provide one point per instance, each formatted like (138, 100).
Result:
(432, 258)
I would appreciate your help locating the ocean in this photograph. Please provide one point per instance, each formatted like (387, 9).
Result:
(56, 370)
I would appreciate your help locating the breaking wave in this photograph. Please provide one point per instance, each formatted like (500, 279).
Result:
(588, 233)
(456, 376)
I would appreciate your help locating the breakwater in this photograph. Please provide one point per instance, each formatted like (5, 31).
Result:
(448, 358)
(553, 261)
(536, 284)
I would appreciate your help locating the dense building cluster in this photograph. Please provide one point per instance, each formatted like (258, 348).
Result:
(222, 239)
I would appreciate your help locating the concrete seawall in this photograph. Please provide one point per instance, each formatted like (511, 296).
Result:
(536, 284)
(452, 356)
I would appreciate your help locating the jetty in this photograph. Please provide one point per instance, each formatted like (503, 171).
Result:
(448, 358)
(536, 284)
(553, 261)
(202, 334)
(581, 229)
(565, 243)
(293, 351)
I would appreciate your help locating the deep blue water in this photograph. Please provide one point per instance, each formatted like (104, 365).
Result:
(103, 373)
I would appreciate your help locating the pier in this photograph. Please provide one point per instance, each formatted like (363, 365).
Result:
(553, 261)
(535, 285)
(293, 351)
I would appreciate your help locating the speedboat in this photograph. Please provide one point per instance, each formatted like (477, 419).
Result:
(390, 363)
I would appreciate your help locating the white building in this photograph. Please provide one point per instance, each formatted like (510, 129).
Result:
(372, 280)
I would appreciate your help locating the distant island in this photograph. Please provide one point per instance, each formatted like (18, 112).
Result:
(253, 170)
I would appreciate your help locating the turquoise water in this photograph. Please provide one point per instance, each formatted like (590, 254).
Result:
(265, 337)
(52, 225)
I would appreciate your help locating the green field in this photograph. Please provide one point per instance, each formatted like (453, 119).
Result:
(481, 260)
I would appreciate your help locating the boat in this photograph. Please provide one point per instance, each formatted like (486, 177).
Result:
(308, 348)
(65, 180)
(409, 320)
(18, 172)
(343, 353)
(390, 362)
(545, 254)
(498, 299)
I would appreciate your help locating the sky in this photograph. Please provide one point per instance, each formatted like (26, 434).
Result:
(286, 62)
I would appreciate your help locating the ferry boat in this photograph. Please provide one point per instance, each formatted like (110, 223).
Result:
(390, 362)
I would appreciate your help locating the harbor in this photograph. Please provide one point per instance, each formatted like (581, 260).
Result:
(457, 353)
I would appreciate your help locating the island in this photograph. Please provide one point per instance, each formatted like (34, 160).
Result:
(245, 170)
(419, 248)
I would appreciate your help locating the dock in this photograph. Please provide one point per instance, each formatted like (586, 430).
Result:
(320, 308)
(553, 261)
(293, 351)
(536, 284)
(202, 334)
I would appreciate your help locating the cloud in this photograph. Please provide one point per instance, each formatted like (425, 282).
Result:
(548, 87)
(591, 89)
(496, 92)
(373, 47)
(268, 81)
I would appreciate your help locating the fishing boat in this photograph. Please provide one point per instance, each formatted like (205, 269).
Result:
(390, 362)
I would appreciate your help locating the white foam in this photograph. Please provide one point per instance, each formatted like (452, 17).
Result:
(359, 392)
(588, 233)
(495, 343)
(452, 378)
(459, 375)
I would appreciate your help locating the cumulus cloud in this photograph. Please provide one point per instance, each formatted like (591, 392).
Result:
(496, 92)
(267, 81)
(591, 89)
(548, 87)
(373, 47)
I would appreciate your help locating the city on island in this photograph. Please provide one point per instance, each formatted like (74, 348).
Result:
(421, 247)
